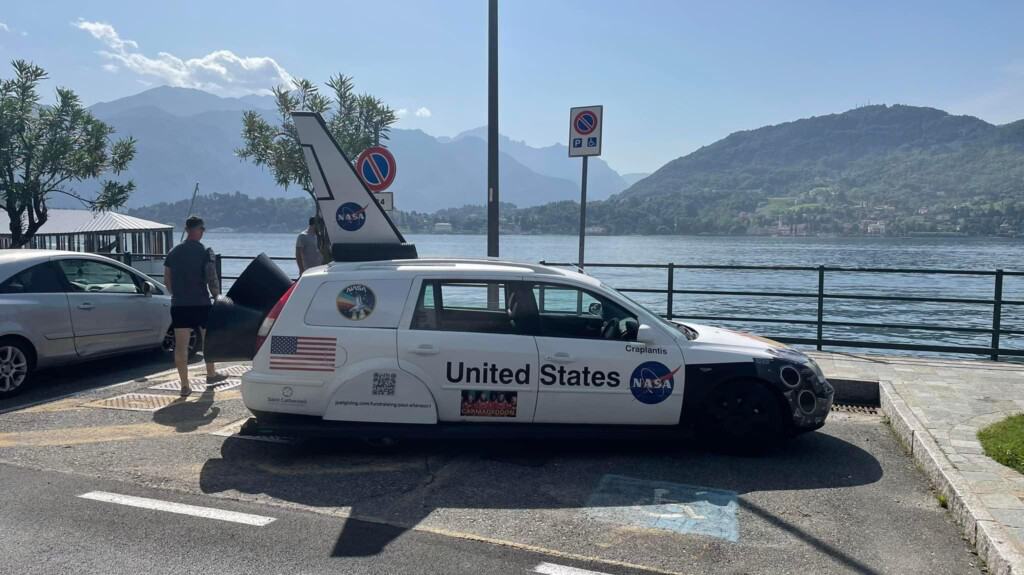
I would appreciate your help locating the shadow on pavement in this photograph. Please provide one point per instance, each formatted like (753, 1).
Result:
(52, 384)
(185, 416)
(402, 485)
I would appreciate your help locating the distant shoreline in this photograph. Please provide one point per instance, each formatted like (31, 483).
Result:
(919, 235)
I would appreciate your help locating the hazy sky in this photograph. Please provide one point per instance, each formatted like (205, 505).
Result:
(672, 75)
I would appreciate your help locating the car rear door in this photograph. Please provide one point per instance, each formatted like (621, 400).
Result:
(109, 311)
(591, 372)
(479, 364)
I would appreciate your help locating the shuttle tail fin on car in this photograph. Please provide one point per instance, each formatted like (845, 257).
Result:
(357, 226)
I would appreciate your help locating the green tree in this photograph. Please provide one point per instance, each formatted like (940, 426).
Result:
(356, 122)
(45, 149)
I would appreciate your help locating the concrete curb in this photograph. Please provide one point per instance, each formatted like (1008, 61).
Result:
(988, 536)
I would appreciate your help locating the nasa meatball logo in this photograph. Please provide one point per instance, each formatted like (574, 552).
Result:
(356, 302)
(351, 216)
(652, 382)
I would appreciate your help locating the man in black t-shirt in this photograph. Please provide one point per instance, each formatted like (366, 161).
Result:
(188, 278)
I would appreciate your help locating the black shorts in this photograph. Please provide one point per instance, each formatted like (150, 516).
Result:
(189, 316)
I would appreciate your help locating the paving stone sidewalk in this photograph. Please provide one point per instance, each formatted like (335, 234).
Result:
(936, 408)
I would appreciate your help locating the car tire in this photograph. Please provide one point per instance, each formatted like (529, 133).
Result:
(167, 345)
(743, 416)
(17, 362)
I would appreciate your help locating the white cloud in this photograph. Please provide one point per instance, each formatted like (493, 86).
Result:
(4, 27)
(221, 72)
(112, 68)
(423, 112)
(402, 112)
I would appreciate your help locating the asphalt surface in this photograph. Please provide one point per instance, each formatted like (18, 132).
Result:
(48, 529)
(845, 499)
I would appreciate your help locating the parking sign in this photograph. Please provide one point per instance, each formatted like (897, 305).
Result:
(585, 131)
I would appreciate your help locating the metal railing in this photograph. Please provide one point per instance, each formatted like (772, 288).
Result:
(820, 296)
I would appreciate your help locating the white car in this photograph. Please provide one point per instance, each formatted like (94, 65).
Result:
(60, 307)
(384, 343)
(454, 343)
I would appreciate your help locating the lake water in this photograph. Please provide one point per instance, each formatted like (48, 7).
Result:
(945, 253)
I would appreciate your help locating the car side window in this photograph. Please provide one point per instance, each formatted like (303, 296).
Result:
(463, 305)
(94, 276)
(42, 278)
(567, 311)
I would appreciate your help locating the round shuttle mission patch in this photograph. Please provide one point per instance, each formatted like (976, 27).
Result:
(351, 216)
(356, 302)
(652, 382)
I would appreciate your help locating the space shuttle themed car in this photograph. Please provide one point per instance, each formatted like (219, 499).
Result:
(420, 345)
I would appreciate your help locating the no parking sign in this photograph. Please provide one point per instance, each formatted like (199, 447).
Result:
(585, 131)
(376, 166)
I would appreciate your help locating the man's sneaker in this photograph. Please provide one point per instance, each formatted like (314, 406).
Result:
(215, 378)
(186, 391)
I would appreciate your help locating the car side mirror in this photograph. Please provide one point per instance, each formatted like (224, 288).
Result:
(645, 334)
(594, 308)
(148, 288)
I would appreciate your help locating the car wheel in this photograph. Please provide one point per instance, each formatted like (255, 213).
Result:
(168, 343)
(742, 415)
(15, 366)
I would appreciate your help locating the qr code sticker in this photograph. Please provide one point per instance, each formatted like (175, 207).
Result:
(384, 383)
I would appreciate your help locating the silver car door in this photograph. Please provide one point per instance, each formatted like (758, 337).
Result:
(109, 311)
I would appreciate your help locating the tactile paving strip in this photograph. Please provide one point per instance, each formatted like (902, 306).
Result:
(198, 384)
(237, 370)
(135, 402)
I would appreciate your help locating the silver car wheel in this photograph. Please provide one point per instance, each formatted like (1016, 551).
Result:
(13, 368)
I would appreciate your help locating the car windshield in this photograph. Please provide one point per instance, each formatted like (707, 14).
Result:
(687, 331)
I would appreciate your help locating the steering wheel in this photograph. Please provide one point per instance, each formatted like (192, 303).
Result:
(610, 329)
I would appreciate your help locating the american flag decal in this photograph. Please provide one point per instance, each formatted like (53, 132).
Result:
(293, 353)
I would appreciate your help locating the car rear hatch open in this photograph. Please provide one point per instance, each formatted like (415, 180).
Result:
(235, 319)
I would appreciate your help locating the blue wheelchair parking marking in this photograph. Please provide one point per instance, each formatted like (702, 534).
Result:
(687, 509)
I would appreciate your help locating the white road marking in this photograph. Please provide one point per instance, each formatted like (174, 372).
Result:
(179, 508)
(553, 569)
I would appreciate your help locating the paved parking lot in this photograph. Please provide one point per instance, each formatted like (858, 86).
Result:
(842, 500)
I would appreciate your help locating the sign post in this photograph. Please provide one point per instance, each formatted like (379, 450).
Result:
(584, 141)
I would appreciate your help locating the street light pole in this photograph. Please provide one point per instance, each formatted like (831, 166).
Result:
(492, 130)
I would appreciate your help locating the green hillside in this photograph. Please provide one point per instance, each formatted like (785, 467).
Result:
(877, 169)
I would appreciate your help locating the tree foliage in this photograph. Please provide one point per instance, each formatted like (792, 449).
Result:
(357, 121)
(45, 149)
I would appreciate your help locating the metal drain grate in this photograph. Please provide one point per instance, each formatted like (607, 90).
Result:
(198, 384)
(135, 402)
(850, 408)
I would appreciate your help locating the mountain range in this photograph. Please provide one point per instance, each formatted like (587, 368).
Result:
(875, 169)
(882, 169)
(187, 135)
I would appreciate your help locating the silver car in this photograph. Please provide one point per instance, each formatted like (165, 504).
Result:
(60, 307)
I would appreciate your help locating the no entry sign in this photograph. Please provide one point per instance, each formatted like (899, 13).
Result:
(376, 166)
(585, 131)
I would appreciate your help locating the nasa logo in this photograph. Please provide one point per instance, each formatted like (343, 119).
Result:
(351, 216)
(652, 382)
(356, 302)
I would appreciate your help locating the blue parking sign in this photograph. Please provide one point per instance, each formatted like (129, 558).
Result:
(577, 142)
(591, 142)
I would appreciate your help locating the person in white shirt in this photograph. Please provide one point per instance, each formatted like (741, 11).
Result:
(307, 249)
